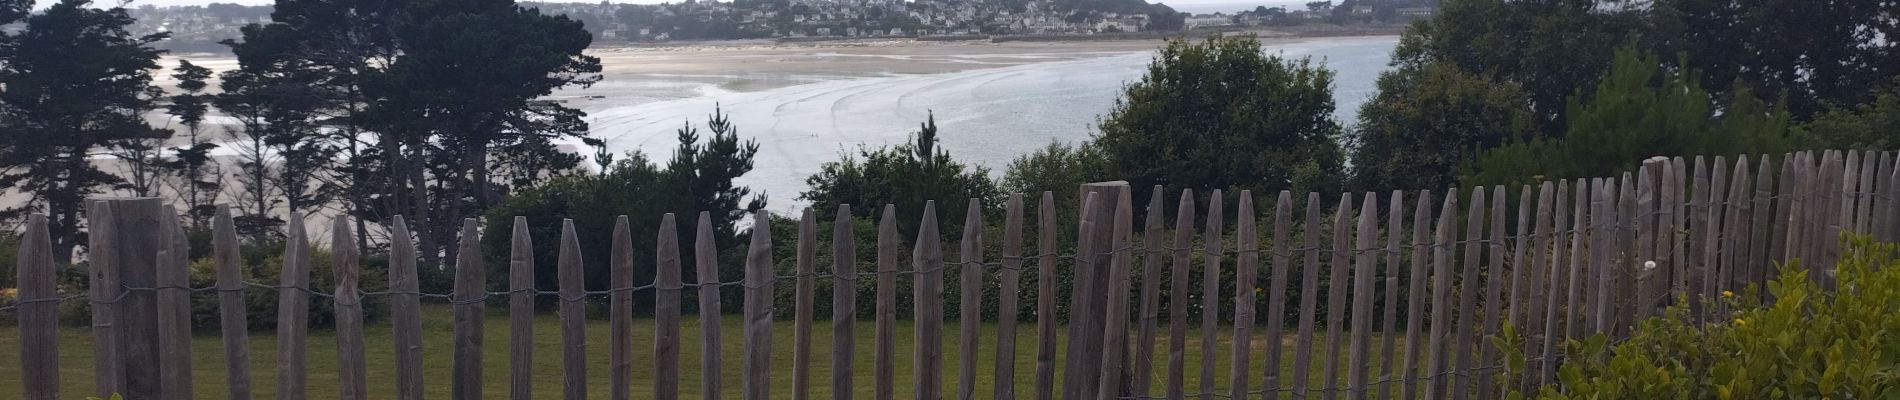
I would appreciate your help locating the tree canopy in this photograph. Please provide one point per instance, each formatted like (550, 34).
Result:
(1220, 114)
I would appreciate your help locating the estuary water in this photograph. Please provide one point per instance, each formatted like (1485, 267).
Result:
(985, 117)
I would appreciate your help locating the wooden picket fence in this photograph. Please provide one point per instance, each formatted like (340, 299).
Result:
(1570, 259)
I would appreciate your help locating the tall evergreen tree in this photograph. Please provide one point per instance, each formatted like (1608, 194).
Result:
(198, 176)
(75, 83)
(468, 76)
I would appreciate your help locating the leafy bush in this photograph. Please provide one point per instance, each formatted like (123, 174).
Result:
(260, 304)
(1807, 343)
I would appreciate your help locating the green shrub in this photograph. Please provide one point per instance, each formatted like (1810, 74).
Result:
(260, 303)
(1807, 343)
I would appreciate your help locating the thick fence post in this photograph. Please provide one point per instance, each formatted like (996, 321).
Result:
(1395, 228)
(38, 314)
(124, 296)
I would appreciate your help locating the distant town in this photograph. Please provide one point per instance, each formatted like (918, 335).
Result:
(202, 28)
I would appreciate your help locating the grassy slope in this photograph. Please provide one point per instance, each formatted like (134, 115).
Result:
(209, 370)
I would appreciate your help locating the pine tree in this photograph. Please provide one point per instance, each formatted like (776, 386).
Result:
(198, 176)
(76, 83)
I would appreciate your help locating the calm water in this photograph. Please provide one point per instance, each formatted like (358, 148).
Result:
(985, 117)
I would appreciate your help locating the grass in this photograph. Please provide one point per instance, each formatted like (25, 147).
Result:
(209, 369)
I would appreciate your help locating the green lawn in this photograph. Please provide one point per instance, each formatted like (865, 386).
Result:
(76, 356)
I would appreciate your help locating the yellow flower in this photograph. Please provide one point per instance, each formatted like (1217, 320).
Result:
(1741, 322)
(1726, 293)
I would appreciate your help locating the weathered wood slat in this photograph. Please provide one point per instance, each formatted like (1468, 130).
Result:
(1465, 329)
(1010, 280)
(844, 303)
(293, 307)
(1647, 298)
(1178, 296)
(1276, 285)
(1360, 349)
(521, 293)
(757, 378)
(38, 314)
(1095, 253)
(1864, 197)
(885, 359)
(1492, 317)
(667, 289)
(1210, 291)
(1708, 269)
(927, 261)
(969, 314)
(1556, 326)
(471, 294)
(1781, 240)
(1849, 192)
(1882, 198)
(1579, 257)
(1757, 265)
(1624, 250)
(103, 292)
(1602, 241)
(806, 266)
(139, 237)
(348, 303)
(1735, 229)
(573, 314)
(1339, 269)
(1150, 296)
(405, 303)
(1442, 249)
(1114, 357)
(1678, 252)
(1523, 272)
(1794, 200)
(1045, 297)
(1246, 268)
(1395, 228)
(706, 262)
(1668, 201)
(1543, 287)
(173, 295)
(1415, 293)
(1309, 296)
